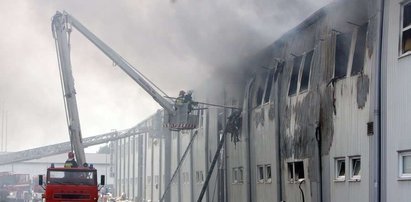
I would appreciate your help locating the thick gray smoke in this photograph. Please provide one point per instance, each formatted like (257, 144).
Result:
(177, 44)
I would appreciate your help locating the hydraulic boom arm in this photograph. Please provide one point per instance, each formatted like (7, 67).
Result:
(61, 33)
(65, 20)
(61, 27)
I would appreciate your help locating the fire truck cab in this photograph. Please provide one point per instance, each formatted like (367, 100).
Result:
(71, 184)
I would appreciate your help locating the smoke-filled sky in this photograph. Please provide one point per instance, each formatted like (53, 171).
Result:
(177, 44)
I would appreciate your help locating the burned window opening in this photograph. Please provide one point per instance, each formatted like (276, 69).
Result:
(269, 86)
(279, 69)
(359, 52)
(305, 78)
(294, 76)
(406, 29)
(342, 52)
(295, 171)
(299, 170)
(290, 167)
(259, 97)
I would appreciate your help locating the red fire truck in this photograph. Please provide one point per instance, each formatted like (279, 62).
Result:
(71, 184)
(14, 187)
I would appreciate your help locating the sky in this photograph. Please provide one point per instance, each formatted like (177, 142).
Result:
(178, 44)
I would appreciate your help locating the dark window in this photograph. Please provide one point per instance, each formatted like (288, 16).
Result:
(269, 85)
(280, 68)
(268, 174)
(406, 40)
(299, 170)
(259, 96)
(342, 52)
(359, 52)
(356, 167)
(406, 29)
(340, 169)
(220, 120)
(295, 171)
(260, 170)
(294, 75)
(407, 15)
(305, 78)
(290, 167)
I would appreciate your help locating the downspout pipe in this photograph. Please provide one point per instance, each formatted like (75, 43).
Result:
(278, 132)
(378, 147)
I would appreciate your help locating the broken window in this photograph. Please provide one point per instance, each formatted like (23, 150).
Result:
(268, 86)
(290, 168)
(406, 29)
(259, 96)
(405, 164)
(359, 52)
(299, 170)
(305, 78)
(340, 169)
(342, 52)
(294, 76)
(268, 173)
(295, 171)
(260, 174)
(355, 168)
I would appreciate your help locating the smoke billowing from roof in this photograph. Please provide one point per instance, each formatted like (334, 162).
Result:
(176, 44)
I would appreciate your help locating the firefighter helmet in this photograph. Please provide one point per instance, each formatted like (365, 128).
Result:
(71, 155)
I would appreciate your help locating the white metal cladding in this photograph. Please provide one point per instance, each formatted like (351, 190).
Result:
(396, 102)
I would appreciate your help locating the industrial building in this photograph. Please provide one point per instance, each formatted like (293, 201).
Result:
(324, 117)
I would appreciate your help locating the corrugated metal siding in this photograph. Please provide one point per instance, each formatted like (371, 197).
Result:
(397, 98)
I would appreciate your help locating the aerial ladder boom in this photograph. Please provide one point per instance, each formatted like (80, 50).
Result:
(66, 21)
(175, 118)
(61, 34)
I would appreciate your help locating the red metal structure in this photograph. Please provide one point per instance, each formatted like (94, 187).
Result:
(14, 187)
(71, 184)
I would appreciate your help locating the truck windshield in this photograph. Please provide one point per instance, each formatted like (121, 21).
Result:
(75, 177)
